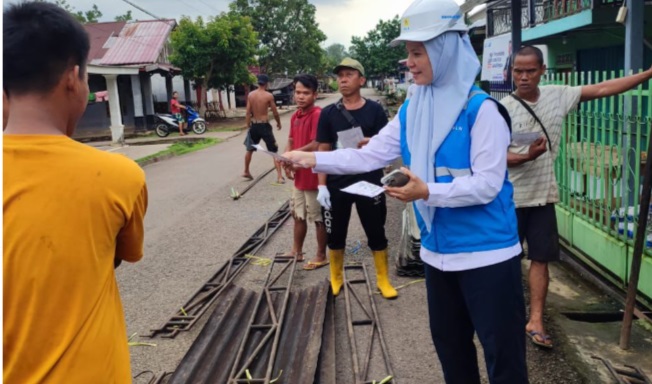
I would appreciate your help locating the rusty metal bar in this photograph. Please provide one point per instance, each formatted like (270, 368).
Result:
(151, 380)
(637, 258)
(633, 375)
(163, 377)
(254, 182)
(371, 320)
(265, 306)
(196, 306)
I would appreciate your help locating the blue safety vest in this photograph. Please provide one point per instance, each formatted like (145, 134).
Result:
(466, 229)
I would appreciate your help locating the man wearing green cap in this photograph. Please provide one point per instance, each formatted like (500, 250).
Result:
(352, 112)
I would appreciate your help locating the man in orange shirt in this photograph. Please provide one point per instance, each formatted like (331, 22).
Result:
(71, 212)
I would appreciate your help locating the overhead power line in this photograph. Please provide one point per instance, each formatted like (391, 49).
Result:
(209, 6)
(141, 9)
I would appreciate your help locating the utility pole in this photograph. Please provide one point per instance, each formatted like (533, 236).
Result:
(516, 34)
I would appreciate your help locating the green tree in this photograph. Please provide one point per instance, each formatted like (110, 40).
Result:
(126, 17)
(91, 16)
(336, 52)
(216, 53)
(289, 35)
(374, 52)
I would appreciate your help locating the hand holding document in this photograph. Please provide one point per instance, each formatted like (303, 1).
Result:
(364, 188)
(350, 138)
(525, 138)
(276, 156)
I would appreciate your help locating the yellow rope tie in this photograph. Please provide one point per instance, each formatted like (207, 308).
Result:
(258, 260)
(138, 344)
(249, 378)
(406, 284)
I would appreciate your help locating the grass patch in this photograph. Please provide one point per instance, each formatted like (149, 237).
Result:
(180, 148)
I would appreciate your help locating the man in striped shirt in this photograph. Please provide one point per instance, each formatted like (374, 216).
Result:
(540, 111)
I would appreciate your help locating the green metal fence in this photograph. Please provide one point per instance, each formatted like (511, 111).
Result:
(602, 155)
(556, 9)
(600, 173)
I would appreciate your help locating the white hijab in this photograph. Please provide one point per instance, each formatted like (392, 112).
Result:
(434, 108)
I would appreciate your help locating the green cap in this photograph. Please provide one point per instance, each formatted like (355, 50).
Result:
(349, 63)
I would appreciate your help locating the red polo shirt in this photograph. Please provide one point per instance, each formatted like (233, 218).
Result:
(303, 130)
(174, 106)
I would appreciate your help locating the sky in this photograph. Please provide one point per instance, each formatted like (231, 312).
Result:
(339, 19)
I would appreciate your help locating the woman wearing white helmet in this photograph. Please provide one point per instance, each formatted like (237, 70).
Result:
(454, 139)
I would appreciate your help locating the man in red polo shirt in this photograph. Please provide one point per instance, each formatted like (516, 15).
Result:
(305, 207)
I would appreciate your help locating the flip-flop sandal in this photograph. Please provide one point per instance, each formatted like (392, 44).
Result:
(299, 257)
(312, 265)
(533, 337)
(248, 177)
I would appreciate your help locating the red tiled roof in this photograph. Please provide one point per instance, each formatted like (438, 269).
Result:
(99, 34)
(139, 42)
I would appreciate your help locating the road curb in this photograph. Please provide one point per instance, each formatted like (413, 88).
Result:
(155, 159)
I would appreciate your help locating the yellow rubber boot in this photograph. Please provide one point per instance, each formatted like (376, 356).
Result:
(336, 257)
(382, 275)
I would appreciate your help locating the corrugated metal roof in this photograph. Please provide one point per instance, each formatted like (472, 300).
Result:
(300, 347)
(301, 353)
(99, 35)
(211, 356)
(140, 42)
(326, 373)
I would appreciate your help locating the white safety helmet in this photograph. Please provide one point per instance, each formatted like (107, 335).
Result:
(427, 19)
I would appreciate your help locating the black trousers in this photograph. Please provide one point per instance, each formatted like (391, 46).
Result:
(371, 211)
(489, 301)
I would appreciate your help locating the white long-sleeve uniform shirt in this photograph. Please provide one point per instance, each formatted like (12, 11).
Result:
(489, 141)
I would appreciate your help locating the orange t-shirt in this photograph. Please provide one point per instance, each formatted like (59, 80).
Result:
(69, 210)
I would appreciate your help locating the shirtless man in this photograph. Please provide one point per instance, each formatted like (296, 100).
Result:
(258, 104)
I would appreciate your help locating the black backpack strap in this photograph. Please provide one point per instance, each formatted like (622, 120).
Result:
(347, 115)
(476, 107)
(527, 107)
(504, 113)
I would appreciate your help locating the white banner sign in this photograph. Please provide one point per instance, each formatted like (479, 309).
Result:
(495, 57)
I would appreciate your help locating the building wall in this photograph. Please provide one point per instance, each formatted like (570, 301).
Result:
(159, 92)
(96, 120)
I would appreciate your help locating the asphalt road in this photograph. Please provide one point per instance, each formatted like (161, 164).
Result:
(193, 226)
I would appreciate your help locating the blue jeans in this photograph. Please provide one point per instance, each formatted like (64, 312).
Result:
(489, 301)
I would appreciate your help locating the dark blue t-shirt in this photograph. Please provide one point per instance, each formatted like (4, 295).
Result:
(372, 119)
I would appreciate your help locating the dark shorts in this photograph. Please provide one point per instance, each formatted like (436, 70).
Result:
(261, 131)
(538, 226)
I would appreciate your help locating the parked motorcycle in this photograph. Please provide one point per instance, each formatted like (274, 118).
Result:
(167, 123)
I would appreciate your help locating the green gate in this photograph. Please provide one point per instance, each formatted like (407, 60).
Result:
(599, 170)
